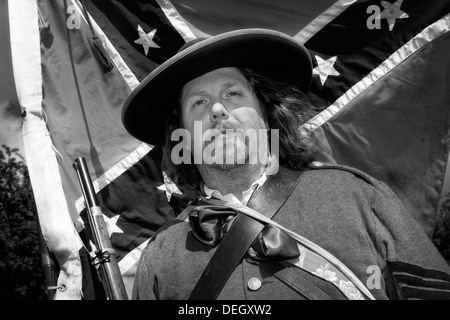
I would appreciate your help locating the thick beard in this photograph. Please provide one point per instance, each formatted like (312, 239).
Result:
(231, 166)
(238, 160)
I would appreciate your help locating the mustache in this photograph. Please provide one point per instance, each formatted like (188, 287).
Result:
(219, 128)
(224, 126)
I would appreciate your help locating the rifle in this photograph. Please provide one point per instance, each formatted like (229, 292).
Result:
(105, 256)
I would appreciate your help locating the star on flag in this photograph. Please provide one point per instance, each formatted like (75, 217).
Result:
(325, 68)
(111, 225)
(392, 12)
(146, 39)
(169, 187)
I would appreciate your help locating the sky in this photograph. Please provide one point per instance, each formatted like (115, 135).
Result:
(10, 120)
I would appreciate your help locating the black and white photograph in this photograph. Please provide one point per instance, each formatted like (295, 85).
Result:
(215, 152)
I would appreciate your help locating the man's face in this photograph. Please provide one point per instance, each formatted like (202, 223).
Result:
(224, 105)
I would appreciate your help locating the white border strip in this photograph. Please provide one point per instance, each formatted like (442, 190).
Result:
(427, 35)
(123, 68)
(54, 215)
(323, 19)
(132, 257)
(176, 20)
(115, 171)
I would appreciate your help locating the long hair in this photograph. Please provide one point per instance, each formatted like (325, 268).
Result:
(285, 107)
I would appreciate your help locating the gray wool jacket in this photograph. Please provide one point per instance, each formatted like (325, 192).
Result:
(353, 216)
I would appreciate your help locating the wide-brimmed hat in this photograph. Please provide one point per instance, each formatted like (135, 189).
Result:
(269, 53)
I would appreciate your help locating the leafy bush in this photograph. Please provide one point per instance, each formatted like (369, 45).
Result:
(21, 275)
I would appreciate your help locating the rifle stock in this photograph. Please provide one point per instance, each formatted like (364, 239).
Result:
(105, 254)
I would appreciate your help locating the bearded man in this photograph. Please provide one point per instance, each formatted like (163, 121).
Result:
(267, 222)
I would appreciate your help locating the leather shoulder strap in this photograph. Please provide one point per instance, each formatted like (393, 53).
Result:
(274, 193)
(267, 200)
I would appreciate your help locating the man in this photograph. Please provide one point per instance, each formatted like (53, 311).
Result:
(311, 231)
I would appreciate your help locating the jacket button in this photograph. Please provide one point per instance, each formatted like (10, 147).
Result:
(254, 284)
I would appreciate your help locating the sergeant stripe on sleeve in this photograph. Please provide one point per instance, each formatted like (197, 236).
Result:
(414, 282)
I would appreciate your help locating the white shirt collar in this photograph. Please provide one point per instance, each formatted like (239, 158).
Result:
(231, 197)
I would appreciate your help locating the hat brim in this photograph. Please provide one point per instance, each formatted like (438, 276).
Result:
(270, 53)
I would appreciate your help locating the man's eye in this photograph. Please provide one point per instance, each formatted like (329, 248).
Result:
(233, 93)
(199, 102)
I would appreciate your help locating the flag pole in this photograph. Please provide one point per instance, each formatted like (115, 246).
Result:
(105, 256)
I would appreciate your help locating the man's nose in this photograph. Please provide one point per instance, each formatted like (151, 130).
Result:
(219, 112)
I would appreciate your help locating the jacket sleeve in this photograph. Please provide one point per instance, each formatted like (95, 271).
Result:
(414, 268)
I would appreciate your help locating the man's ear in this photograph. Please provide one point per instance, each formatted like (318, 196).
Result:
(274, 153)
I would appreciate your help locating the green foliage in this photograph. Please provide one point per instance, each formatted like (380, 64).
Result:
(21, 275)
(441, 235)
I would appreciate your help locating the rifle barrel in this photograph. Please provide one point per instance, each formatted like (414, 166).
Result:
(106, 256)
